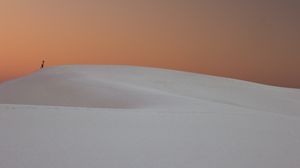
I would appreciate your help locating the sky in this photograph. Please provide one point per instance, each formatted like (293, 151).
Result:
(257, 40)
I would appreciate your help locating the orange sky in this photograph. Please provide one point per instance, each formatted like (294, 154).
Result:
(256, 41)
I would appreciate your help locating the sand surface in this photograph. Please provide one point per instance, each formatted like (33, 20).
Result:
(135, 117)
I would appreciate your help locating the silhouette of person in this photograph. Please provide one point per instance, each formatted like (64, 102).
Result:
(43, 64)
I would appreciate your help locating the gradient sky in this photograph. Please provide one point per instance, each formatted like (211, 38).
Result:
(257, 40)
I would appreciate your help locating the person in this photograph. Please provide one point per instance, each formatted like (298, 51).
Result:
(42, 65)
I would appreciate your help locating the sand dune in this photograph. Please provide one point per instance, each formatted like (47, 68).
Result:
(122, 116)
(137, 87)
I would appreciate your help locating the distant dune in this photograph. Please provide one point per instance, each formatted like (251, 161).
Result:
(122, 116)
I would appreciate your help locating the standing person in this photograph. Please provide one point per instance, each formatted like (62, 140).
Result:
(42, 65)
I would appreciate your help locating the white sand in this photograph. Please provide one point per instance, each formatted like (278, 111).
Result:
(122, 116)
